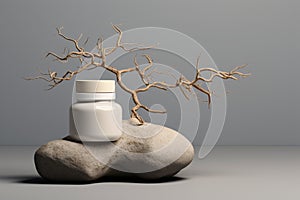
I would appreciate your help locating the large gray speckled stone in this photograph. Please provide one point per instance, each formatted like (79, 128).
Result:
(149, 152)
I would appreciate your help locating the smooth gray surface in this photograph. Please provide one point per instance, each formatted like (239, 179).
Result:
(262, 109)
(240, 172)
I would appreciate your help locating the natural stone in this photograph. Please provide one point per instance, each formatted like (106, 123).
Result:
(148, 152)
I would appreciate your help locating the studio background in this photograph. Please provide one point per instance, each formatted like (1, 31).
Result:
(262, 109)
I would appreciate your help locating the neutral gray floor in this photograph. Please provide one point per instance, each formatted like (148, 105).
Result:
(229, 172)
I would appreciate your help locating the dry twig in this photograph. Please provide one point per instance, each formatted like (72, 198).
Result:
(145, 74)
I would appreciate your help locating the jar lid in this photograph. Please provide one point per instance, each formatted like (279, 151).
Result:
(95, 86)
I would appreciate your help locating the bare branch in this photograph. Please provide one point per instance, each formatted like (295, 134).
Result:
(88, 62)
(59, 32)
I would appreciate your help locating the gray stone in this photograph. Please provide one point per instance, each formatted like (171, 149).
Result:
(148, 152)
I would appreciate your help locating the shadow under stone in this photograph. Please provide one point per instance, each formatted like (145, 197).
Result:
(139, 180)
(40, 180)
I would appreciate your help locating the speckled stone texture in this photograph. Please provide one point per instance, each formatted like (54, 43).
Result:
(147, 152)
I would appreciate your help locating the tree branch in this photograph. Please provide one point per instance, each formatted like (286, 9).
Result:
(145, 73)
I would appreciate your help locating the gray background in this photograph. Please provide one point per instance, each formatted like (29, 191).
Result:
(262, 109)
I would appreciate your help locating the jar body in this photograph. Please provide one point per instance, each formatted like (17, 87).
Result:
(96, 121)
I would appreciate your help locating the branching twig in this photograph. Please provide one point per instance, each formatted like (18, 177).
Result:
(145, 73)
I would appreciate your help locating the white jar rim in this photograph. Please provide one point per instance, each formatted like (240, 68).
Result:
(95, 96)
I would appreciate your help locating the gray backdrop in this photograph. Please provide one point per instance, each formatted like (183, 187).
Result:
(262, 109)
